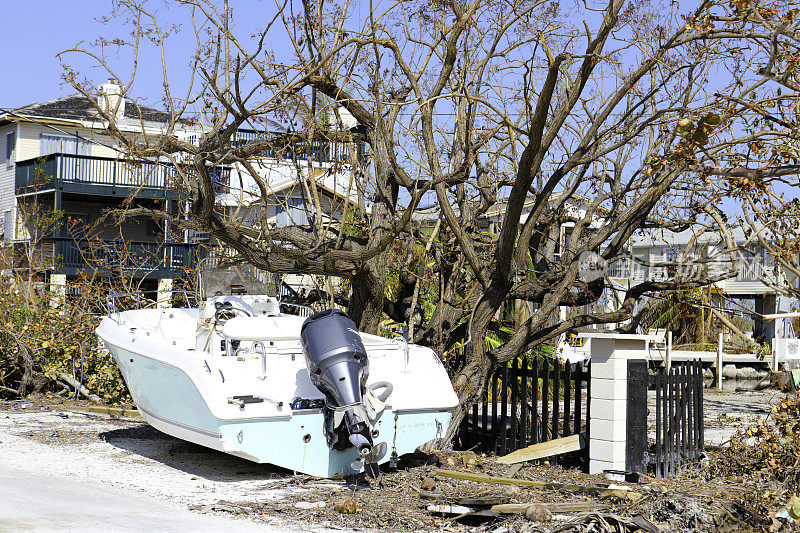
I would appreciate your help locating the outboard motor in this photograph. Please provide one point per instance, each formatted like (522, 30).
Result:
(337, 364)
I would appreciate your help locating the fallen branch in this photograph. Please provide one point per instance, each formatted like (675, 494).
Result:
(26, 379)
(75, 384)
(479, 478)
(15, 392)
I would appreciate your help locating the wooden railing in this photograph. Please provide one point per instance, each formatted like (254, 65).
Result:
(102, 175)
(526, 402)
(679, 417)
(139, 258)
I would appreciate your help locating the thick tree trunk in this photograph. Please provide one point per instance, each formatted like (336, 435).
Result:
(366, 301)
(469, 384)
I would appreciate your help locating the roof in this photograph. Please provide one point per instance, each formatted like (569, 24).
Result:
(79, 108)
(664, 237)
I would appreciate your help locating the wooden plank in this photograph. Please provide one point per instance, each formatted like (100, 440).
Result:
(636, 418)
(546, 433)
(578, 389)
(485, 420)
(514, 399)
(460, 510)
(556, 396)
(658, 375)
(492, 444)
(555, 508)
(480, 478)
(111, 411)
(690, 410)
(567, 399)
(684, 416)
(578, 392)
(588, 413)
(573, 443)
(503, 448)
(671, 421)
(535, 411)
(523, 416)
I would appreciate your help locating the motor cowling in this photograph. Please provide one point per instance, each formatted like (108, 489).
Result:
(335, 356)
(337, 364)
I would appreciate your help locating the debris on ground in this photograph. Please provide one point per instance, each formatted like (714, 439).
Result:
(770, 447)
(451, 491)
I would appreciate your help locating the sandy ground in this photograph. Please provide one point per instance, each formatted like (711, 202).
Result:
(64, 471)
(725, 412)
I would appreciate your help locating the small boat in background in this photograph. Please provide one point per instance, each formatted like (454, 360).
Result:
(312, 395)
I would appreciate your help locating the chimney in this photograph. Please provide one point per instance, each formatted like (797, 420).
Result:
(109, 95)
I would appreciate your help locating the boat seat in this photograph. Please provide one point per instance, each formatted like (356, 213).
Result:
(260, 328)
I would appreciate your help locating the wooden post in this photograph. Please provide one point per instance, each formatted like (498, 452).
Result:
(669, 350)
(775, 361)
(636, 417)
(719, 363)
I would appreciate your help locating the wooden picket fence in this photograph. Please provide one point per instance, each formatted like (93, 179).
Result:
(526, 402)
(679, 416)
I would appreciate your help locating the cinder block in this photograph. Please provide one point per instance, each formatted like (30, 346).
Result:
(612, 430)
(607, 450)
(608, 409)
(597, 467)
(612, 369)
(602, 350)
(609, 389)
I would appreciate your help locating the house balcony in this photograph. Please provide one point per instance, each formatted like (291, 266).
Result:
(318, 151)
(111, 258)
(103, 176)
(749, 278)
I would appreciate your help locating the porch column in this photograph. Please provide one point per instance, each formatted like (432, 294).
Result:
(164, 295)
(609, 419)
(58, 290)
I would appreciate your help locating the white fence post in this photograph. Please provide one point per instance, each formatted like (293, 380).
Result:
(669, 350)
(719, 363)
(775, 361)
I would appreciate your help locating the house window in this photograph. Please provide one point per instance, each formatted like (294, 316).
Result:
(11, 144)
(63, 144)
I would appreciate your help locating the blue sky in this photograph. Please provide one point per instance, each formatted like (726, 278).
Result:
(34, 31)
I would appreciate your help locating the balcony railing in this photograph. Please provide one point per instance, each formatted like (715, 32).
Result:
(104, 176)
(94, 175)
(135, 259)
(318, 151)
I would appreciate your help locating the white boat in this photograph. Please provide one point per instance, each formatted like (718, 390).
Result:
(236, 374)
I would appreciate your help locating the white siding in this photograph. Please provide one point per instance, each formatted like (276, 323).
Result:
(7, 198)
(28, 144)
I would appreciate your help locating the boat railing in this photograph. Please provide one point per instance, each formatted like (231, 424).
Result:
(297, 309)
(128, 301)
(117, 303)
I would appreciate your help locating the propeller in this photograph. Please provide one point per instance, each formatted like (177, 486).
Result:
(370, 455)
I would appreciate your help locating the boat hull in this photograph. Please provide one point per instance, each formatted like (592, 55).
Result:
(170, 401)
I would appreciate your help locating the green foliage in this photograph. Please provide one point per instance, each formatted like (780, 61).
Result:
(58, 340)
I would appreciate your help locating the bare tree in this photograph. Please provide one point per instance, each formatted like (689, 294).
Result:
(609, 117)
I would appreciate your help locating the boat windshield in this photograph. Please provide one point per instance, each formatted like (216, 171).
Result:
(218, 277)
